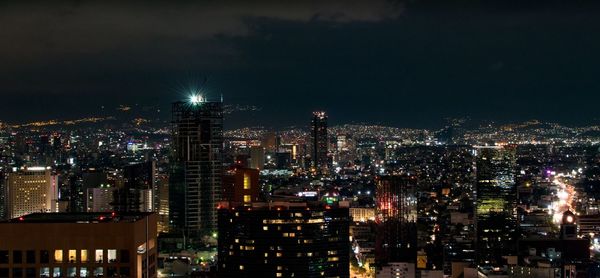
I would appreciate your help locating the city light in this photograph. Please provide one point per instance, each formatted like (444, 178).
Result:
(196, 99)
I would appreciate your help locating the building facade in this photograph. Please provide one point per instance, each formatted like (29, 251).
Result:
(79, 245)
(496, 194)
(196, 166)
(320, 143)
(31, 190)
(283, 239)
(396, 218)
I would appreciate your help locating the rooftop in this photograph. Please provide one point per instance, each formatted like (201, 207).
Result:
(81, 217)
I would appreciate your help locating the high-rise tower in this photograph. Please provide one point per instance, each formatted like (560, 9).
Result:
(196, 166)
(30, 190)
(320, 160)
(496, 221)
(396, 216)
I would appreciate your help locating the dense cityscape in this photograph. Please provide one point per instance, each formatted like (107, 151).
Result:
(305, 139)
(471, 199)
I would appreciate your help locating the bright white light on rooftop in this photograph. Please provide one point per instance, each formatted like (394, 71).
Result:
(195, 99)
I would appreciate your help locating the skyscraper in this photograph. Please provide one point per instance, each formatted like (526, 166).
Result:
(138, 191)
(320, 160)
(196, 166)
(257, 157)
(396, 217)
(31, 190)
(496, 221)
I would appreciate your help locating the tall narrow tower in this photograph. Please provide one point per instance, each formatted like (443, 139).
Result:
(196, 166)
(320, 161)
(496, 221)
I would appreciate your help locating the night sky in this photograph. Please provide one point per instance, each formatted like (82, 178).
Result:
(405, 64)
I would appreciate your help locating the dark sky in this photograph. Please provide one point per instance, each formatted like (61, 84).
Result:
(407, 64)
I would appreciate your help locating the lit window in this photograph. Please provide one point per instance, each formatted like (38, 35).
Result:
(99, 272)
(247, 199)
(246, 181)
(71, 272)
(72, 256)
(265, 228)
(112, 255)
(241, 267)
(56, 272)
(83, 256)
(83, 272)
(58, 256)
(99, 256)
(279, 254)
(279, 274)
(45, 271)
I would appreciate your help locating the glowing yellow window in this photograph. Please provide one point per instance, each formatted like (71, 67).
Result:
(246, 181)
(72, 255)
(58, 256)
(247, 199)
(83, 255)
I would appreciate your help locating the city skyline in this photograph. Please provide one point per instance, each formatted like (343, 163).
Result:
(318, 138)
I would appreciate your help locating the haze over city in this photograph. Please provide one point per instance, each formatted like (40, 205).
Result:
(398, 63)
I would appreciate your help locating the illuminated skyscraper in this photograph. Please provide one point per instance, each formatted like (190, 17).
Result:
(320, 160)
(196, 166)
(31, 190)
(396, 217)
(496, 222)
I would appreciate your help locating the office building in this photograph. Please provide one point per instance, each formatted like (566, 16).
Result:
(163, 208)
(138, 191)
(31, 190)
(240, 185)
(320, 143)
(283, 239)
(79, 245)
(495, 211)
(100, 199)
(196, 166)
(396, 218)
(257, 157)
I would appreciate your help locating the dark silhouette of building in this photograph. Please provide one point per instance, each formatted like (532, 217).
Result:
(319, 156)
(138, 191)
(283, 239)
(396, 218)
(568, 255)
(196, 166)
(496, 222)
